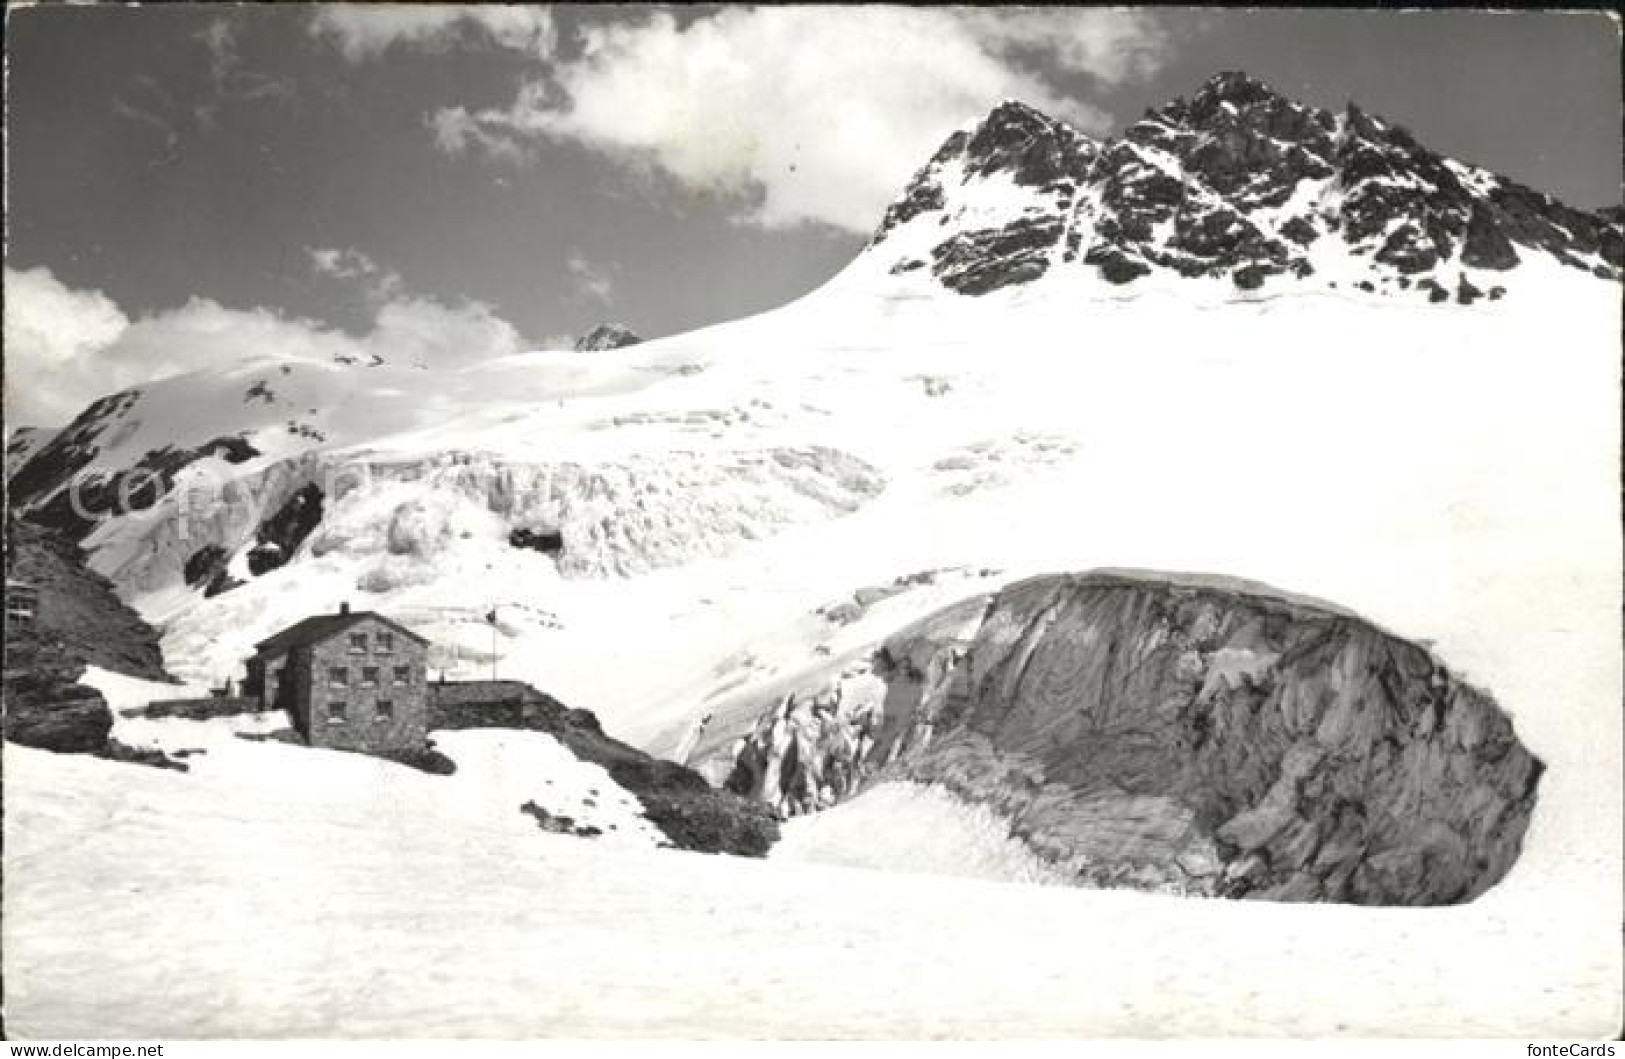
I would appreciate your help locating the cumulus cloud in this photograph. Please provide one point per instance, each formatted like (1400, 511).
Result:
(65, 348)
(366, 31)
(800, 114)
(51, 334)
(426, 333)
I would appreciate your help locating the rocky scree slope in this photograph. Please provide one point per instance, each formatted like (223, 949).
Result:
(79, 621)
(1182, 734)
(1238, 183)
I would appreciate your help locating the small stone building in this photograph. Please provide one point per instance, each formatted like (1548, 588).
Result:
(351, 681)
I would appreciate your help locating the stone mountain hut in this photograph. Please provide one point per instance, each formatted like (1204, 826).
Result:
(351, 681)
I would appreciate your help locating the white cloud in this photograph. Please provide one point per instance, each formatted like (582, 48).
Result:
(799, 114)
(203, 333)
(591, 280)
(427, 333)
(51, 333)
(366, 31)
(455, 129)
(379, 284)
(65, 348)
(1113, 46)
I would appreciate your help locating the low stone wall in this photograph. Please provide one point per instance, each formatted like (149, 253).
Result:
(198, 709)
(502, 704)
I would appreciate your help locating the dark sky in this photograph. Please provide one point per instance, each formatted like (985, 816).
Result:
(158, 154)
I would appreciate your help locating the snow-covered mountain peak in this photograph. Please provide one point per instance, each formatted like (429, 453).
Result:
(1238, 184)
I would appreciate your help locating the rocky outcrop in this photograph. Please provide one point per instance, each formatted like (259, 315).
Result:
(1044, 160)
(1182, 734)
(206, 568)
(1237, 183)
(280, 535)
(22, 443)
(77, 621)
(46, 706)
(78, 609)
(987, 259)
(607, 336)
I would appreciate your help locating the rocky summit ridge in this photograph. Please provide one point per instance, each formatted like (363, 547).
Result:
(1238, 183)
(607, 336)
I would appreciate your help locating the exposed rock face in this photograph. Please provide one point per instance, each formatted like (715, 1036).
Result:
(607, 336)
(22, 443)
(1046, 161)
(1238, 183)
(206, 569)
(78, 608)
(46, 707)
(1187, 735)
(989, 258)
(280, 535)
(78, 620)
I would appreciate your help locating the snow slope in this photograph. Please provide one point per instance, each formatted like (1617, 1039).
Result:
(202, 906)
(915, 828)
